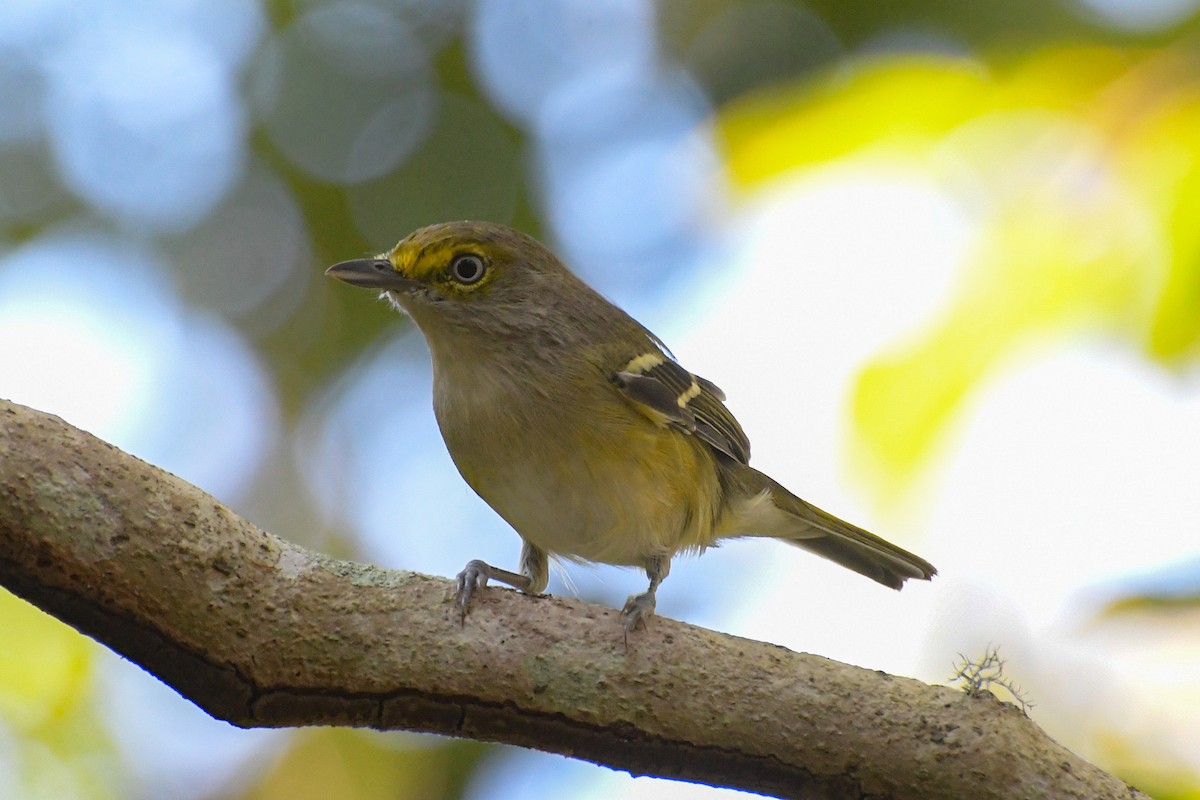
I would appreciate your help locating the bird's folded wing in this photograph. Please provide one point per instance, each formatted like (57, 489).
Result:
(670, 395)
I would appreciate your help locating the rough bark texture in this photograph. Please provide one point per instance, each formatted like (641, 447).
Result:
(260, 632)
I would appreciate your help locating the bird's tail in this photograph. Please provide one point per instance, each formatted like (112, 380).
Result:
(762, 507)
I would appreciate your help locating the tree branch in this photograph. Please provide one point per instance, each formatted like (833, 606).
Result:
(260, 632)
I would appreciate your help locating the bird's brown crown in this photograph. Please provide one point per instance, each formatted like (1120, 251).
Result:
(462, 259)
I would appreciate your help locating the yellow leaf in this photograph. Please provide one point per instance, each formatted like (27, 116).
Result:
(45, 666)
(1081, 167)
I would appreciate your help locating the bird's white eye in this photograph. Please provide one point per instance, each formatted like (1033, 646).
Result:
(467, 269)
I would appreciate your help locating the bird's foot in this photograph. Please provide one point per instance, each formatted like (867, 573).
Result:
(474, 576)
(638, 608)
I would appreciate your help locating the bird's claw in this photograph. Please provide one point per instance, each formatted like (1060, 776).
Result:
(638, 608)
(474, 576)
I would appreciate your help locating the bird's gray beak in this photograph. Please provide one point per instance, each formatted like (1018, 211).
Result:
(371, 273)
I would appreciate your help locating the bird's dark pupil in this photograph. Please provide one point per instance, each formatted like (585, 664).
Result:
(468, 269)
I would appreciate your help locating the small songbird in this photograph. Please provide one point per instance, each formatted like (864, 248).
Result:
(579, 428)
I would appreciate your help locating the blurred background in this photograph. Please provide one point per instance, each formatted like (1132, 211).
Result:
(944, 258)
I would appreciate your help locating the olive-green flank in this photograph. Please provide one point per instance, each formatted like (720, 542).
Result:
(577, 426)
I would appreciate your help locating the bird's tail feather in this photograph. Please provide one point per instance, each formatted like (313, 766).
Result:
(782, 515)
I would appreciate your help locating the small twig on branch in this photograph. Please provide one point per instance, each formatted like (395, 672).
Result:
(977, 677)
(260, 632)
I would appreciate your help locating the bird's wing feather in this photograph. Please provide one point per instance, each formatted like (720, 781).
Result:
(670, 395)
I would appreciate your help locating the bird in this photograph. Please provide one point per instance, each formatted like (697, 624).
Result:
(579, 428)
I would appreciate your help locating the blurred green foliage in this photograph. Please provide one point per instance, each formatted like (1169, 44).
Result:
(361, 765)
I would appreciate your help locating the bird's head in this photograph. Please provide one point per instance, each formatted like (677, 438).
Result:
(480, 281)
(467, 262)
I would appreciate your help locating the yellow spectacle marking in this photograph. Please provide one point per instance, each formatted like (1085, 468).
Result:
(643, 363)
(689, 395)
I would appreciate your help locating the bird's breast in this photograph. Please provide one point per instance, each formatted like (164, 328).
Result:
(576, 470)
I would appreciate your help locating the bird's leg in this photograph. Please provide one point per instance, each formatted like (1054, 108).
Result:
(534, 575)
(640, 607)
(535, 565)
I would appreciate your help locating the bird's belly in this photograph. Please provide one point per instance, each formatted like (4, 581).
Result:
(653, 496)
(567, 523)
